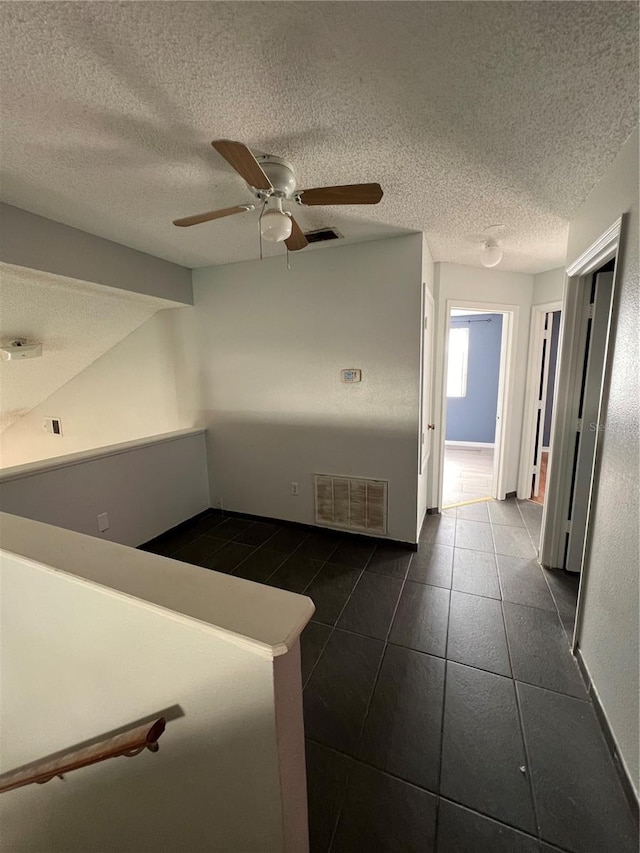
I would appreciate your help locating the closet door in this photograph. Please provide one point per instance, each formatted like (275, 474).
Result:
(598, 313)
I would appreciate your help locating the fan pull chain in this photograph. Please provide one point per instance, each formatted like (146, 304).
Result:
(264, 204)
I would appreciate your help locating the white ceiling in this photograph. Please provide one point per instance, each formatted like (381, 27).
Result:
(468, 113)
(75, 321)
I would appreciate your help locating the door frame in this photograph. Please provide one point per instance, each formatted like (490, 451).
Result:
(568, 377)
(506, 387)
(534, 359)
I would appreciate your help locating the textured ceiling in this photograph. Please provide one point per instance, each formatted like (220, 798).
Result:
(75, 321)
(468, 114)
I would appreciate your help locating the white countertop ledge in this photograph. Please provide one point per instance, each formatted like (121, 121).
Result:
(40, 466)
(265, 619)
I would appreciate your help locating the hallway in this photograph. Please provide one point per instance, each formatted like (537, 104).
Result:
(443, 710)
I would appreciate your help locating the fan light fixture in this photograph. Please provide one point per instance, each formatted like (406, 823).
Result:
(275, 225)
(491, 255)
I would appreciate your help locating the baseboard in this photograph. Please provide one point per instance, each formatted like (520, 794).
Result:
(181, 526)
(448, 443)
(625, 779)
(312, 528)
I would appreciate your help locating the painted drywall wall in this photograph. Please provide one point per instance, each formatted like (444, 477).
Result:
(464, 284)
(145, 385)
(145, 487)
(428, 278)
(549, 286)
(272, 345)
(28, 240)
(473, 417)
(80, 661)
(553, 363)
(608, 636)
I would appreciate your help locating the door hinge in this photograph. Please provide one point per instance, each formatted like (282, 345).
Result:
(579, 425)
(568, 527)
(591, 310)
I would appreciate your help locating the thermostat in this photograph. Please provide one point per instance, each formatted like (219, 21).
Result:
(351, 374)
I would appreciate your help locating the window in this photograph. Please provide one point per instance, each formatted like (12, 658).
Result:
(457, 366)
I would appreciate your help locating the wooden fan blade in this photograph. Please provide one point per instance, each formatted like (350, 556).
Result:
(348, 194)
(297, 240)
(212, 214)
(238, 155)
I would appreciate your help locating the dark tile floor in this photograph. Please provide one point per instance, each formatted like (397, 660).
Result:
(443, 709)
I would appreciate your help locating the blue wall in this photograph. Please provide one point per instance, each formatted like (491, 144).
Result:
(473, 418)
(553, 355)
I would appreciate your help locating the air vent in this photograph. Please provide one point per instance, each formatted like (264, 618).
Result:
(323, 234)
(352, 504)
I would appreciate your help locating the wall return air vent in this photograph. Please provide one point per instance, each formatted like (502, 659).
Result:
(351, 503)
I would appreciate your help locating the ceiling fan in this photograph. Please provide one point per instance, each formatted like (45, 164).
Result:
(272, 181)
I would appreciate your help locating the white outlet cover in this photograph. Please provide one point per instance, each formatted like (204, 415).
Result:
(103, 522)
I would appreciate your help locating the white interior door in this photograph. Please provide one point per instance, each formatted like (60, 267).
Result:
(597, 312)
(426, 427)
(541, 402)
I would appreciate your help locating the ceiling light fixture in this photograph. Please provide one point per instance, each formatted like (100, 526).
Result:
(491, 254)
(275, 225)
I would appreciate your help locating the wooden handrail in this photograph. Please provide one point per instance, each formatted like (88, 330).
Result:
(130, 742)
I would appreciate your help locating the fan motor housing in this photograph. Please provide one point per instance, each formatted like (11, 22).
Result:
(280, 173)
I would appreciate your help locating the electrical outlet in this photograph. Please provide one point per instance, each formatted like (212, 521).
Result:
(103, 522)
(294, 489)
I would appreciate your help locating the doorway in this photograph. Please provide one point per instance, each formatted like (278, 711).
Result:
(544, 343)
(477, 361)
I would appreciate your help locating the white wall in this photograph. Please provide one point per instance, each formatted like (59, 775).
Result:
(272, 344)
(608, 637)
(477, 284)
(145, 385)
(549, 286)
(28, 240)
(81, 659)
(146, 487)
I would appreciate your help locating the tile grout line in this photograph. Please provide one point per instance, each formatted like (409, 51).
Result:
(331, 627)
(285, 557)
(512, 826)
(313, 669)
(335, 624)
(373, 689)
(444, 702)
(457, 662)
(551, 593)
(528, 764)
(349, 774)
